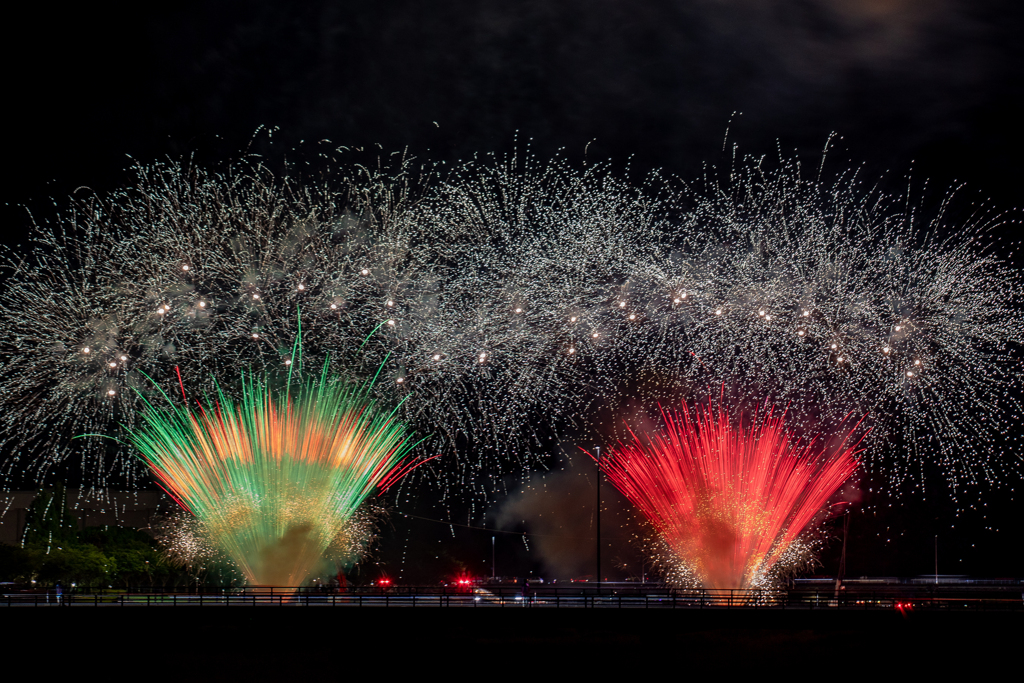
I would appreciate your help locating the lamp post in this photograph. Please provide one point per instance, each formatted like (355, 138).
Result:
(598, 519)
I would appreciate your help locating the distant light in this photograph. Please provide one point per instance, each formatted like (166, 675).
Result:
(113, 364)
(483, 357)
(718, 312)
(800, 332)
(839, 360)
(334, 306)
(834, 347)
(255, 336)
(185, 268)
(572, 350)
(400, 380)
(160, 310)
(675, 301)
(572, 319)
(301, 286)
(255, 296)
(85, 350)
(596, 335)
(202, 304)
(111, 392)
(124, 358)
(683, 295)
(287, 361)
(437, 356)
(364, 271)
(760, 312)
(885, 349)
(806, 313)
(622, 304)
(917, 362)
(519, 310)
(909, 373)
(632, 316)
(391, 322)
(897, 328)
(390, 302)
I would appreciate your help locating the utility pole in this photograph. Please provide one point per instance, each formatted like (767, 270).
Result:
(598, 519)
(493, 572)
(842, 557)
(936, 559)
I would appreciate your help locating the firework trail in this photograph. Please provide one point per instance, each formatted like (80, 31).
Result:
(276, 478)
(729, 498)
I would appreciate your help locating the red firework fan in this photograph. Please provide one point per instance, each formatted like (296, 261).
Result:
(729, 497)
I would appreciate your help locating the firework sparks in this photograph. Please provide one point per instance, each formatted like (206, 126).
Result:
(194, 270)
(276, 479)
(850, 299)
(823, 296)
(510, 289)
(729, 499)
(184, 544)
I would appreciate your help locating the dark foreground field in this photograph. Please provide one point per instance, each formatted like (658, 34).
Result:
(294, 644)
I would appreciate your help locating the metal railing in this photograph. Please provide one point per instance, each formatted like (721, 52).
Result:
(1008, 598)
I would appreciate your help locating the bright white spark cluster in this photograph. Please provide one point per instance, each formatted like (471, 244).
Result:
(507, 294)
(800, 556)
(838, 299)
(187, 543)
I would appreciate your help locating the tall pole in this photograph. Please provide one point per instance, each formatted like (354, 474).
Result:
(936, 559)
(493, 573)
(842, 557)
(598, 519)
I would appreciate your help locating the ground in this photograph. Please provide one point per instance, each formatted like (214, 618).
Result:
(281, 644)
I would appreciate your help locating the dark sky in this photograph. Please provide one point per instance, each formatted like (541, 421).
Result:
(937, 85)
(938, 82)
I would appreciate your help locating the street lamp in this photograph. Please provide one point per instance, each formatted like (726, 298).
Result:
(598, 518)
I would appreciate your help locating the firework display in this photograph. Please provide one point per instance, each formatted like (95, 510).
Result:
(835, 298)
(730, 497)
(276, 478)
(200, 273)
(506, 295)
(190, 270)
(183, 543)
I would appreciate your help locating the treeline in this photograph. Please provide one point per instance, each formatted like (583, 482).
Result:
(54, 551)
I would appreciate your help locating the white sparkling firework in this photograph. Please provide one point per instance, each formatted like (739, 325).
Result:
(848, 300)
(199, 273)
(507, 294)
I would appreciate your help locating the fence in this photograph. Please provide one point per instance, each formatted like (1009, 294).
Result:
(1002, 598)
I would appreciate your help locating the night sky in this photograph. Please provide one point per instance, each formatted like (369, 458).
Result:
(929, 87)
